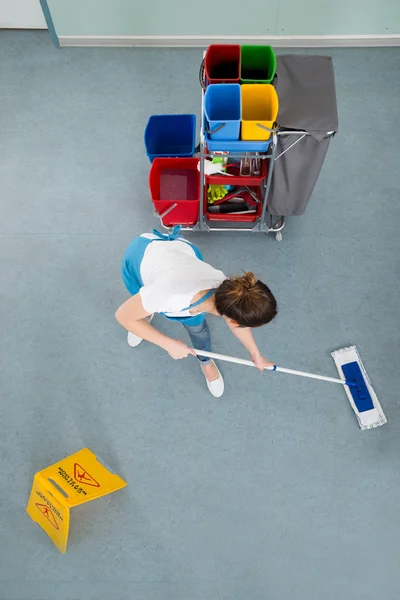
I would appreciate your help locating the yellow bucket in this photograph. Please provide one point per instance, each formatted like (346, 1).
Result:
(260, 107)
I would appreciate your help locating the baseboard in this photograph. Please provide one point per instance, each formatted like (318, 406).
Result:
(197, 41)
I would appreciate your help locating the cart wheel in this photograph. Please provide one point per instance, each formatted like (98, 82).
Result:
(278, 236)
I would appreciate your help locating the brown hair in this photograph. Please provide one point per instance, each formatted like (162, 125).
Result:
(246, 300)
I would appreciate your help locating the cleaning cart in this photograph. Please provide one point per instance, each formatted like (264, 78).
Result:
(261, 148)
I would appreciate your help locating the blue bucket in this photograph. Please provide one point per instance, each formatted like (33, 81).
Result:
(222, 107)
(170, 136)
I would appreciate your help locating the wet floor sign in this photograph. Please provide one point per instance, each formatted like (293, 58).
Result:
(74, 480)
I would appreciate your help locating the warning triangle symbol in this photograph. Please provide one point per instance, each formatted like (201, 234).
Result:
(83, 476)
(48, 513)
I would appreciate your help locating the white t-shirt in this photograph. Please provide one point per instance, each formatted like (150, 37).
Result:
(172, 275)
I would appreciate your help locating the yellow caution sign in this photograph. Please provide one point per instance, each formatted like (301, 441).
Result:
(72, 481)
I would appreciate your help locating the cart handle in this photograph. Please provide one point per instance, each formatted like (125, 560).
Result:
(221, 126)
(202, 74)
(274, 130)
(166, 212)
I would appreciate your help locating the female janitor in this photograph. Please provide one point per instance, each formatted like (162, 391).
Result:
(166, 274)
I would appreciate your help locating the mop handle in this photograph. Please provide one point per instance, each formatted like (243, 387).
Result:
(249, 363)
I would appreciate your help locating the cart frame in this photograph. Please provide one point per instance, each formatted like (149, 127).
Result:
(265, 222)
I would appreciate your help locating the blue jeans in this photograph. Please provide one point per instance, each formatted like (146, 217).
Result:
(201, 339)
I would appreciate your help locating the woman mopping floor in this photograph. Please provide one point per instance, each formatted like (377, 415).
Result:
(166, 274)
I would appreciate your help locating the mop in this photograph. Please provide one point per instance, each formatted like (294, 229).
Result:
(354, 378)
(361, 396)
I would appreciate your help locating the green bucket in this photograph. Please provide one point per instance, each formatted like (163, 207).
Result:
(258, 64)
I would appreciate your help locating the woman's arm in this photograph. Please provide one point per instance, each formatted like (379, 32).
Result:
(132, 316)
(245, 335)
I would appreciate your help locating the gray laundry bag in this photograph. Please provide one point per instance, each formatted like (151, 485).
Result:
(307, 102)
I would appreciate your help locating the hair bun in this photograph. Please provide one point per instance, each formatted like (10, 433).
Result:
(247, 281)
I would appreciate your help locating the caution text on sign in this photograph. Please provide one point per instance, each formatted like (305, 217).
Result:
(83, 477)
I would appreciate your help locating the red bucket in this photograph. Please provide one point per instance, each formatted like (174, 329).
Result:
(175, 184)
(222, 63)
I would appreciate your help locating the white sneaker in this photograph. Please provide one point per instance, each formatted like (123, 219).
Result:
(134, 340)
(216, 387)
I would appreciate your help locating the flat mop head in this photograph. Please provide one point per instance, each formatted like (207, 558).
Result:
(360, 392)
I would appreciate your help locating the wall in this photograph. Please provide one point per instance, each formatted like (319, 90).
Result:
(223, 18)
(21, 14)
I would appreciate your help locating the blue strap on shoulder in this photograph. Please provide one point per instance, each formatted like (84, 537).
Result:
(203, 299)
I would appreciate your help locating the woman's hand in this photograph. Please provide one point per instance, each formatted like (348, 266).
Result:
(178, 349)
(245, 335)
(261, 362)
